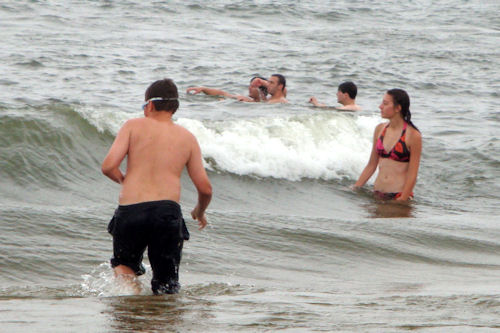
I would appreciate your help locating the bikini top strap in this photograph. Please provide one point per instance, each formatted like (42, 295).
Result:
(383, 132)
(403, 132)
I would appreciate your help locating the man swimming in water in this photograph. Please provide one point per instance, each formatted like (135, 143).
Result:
(255, 93)
(346, 95)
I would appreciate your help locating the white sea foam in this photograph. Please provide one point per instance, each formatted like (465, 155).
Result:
(106, 118)
(323, 145)
(101, 282)
(320, 146)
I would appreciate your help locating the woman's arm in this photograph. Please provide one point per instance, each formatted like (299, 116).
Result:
(372, 163)
(415, 147)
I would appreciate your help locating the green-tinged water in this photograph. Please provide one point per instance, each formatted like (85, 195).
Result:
(289, 245)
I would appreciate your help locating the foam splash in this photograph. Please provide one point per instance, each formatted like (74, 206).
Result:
(107, 118)
(320, 146)
(101, 282)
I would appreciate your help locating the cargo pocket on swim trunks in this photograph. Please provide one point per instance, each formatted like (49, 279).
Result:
(183, 230)
(111, 225)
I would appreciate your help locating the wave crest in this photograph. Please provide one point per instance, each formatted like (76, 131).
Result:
(320, 146)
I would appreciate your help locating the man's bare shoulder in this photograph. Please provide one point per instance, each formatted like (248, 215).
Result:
(187, 138)
(184, 132)
(133, 122)
(129, 124)
(281, 100)
(144, 123)
(353, 107)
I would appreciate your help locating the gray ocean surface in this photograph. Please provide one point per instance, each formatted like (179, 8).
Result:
(289, 246)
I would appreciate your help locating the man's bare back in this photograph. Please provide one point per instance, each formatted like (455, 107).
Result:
(167, 148)
(157, 151)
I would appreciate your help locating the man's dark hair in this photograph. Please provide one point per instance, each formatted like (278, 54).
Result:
(167, 89)
(281, 80)
(349, 88)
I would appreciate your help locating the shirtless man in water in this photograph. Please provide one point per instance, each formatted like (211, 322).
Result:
(149, 214)
(346, 95)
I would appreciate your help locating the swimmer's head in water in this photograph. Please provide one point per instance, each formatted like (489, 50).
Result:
(257, 93)
(166, 89)
(281, 80)
(261, 88)
(349, 88)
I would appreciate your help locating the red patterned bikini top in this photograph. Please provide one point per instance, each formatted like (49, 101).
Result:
(399, 152)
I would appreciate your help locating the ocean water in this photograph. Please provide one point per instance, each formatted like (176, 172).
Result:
(289, 246)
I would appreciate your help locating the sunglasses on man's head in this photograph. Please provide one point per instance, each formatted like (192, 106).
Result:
(157, 99)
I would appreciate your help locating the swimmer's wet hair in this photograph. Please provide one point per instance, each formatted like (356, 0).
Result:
(349, 88)
(166, 89)
(262, 88)
(401, 98)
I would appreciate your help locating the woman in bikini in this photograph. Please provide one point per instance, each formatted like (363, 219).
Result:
(397, 146)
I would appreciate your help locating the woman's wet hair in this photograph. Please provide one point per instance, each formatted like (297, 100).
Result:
(167, 89)
(261, 88)
(401, 98)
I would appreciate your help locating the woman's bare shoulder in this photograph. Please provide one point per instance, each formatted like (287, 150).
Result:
(414, 134)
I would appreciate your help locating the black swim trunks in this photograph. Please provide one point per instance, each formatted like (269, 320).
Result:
(157, 225)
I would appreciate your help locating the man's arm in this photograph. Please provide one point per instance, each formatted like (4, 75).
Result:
(199, 177)
(111, 164)
(314, 101)
(242, 98)
(209, 91)
(259, 82)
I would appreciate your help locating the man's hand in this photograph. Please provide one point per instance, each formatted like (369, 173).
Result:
(202, 220)
(194, 90)
(242, 98)
(313, 100)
